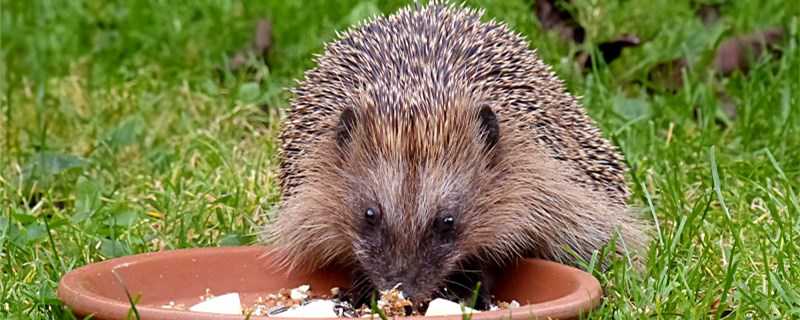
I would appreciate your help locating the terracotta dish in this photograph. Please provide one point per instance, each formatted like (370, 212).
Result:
(544, 289)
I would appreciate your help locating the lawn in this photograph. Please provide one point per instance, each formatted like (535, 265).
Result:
(119, 135)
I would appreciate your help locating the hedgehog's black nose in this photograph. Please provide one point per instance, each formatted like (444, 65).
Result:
(418, 302)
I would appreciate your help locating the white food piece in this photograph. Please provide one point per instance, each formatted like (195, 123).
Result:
(315, 309)
(513, 304)
(442, 307)
(224, 304)
(300, 293)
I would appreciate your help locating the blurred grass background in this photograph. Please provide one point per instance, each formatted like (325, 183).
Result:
(118, 135)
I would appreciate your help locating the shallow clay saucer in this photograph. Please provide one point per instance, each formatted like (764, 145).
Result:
(544, 289)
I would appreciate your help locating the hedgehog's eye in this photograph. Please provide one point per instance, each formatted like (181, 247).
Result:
(372, 215)
(449, 221)
(445, 224)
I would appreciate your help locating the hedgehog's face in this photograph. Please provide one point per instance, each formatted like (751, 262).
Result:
(410, 187)
(418, 258)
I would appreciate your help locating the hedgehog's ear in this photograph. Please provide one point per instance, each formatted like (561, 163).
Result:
(490, 127)
(344, 129)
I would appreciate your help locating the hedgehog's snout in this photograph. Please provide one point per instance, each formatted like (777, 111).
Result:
(419, 298)
(411, 290)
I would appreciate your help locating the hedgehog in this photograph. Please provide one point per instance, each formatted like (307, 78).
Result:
(431, 149)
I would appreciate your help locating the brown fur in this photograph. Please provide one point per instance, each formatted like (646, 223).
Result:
(416, 83)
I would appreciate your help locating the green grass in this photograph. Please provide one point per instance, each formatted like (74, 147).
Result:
(116, 137)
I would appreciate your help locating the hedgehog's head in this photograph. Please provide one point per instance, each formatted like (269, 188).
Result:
(410, 195)
(412, 180)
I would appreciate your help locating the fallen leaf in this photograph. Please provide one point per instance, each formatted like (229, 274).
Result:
(708, 13)
(128, 132)
(123, 218)
(87, 199)
(111, 248)
(668, 74)
(631, 108)
(249, 92)
(259, 46)
(9, 229)
(360, 12)
(554, 18)
(263, 38)
(232, 239)
(727, 104)
(12, 233)
(35, 232)
(44, 170)
(727, 109)
(714, 309)
(238, 60)
(610, 50)
(46, 165)
(737, 53)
